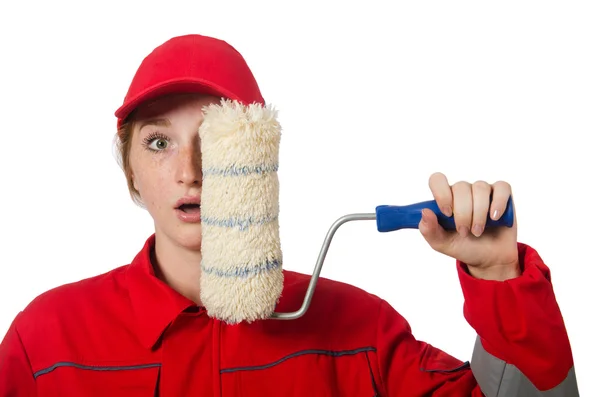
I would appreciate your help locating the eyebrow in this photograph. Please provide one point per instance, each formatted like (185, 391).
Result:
(156, 122)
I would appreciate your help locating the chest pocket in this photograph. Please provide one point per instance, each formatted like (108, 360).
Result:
(305, 373)
(71, 379)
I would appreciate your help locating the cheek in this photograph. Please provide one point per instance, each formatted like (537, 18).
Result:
(152, 181)
(151, 184)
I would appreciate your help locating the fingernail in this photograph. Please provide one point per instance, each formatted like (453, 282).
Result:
(423, 217)
(478, 230)
(495, 215)
(463, 231)
(447, 211)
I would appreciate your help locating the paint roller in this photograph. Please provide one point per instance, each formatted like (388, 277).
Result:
(241, 269)
(241, 275)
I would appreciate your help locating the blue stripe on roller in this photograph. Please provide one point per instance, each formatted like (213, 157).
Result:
(243, 272)
(234, 170)
(242, 224)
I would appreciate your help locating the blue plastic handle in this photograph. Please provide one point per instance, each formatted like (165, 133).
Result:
(394, 217)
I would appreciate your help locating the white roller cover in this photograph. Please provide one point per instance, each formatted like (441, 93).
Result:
(242, 276)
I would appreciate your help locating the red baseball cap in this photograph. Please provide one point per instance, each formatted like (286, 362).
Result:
(191, 64)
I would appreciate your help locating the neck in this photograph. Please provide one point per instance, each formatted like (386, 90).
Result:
(178, 267)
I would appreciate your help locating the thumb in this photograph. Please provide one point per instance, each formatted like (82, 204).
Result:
(433, 232)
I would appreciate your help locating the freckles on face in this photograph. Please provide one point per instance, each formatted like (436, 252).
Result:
(150, 171)
(153, 173)
(166, 158)
(151, 181)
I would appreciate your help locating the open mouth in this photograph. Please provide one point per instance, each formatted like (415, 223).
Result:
(189, 208)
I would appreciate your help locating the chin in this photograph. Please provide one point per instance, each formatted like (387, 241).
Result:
(190, 238)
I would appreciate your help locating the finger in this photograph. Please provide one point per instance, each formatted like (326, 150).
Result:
(463, 207)
(442, 193)
(501, 192)
(432, 231)
(481, 192)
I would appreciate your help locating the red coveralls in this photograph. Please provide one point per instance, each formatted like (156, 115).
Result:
(125, 333)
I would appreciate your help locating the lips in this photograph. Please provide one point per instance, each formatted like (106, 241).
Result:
(188, 201)
(188, 209)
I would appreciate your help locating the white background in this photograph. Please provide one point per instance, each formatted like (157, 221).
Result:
(373, 98)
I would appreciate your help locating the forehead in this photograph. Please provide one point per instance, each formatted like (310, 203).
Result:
(164, 105)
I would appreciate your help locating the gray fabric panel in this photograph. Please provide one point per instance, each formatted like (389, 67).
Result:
(498, 379)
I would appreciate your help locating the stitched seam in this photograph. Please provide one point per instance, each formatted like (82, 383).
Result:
(94, 367)
(23, 347)
(464, 365)
(297, 354)
(501, 380)
(379, 368)
(372, 376)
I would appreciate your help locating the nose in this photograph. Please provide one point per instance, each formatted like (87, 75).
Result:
(189, 163)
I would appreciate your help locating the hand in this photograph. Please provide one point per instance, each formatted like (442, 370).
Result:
(489, 254)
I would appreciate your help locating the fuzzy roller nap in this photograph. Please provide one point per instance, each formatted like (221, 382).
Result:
(241, 274)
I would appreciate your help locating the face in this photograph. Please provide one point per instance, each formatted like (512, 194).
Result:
(166, 165)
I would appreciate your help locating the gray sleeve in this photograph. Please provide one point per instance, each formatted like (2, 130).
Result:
(496, 378)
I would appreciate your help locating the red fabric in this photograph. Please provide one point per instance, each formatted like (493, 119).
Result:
(519, 320)
(125, 333)
(191, 63)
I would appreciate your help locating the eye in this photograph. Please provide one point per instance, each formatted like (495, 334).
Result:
(158, 144)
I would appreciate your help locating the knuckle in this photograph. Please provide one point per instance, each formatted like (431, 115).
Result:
(481, 185)
(435, 177)
(461, 189)
(502, 184)
(461, 218)
(461, 185)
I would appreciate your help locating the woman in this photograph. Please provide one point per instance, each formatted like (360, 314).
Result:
(141, 330)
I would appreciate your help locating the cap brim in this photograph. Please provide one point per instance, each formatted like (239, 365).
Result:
(175, 86)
